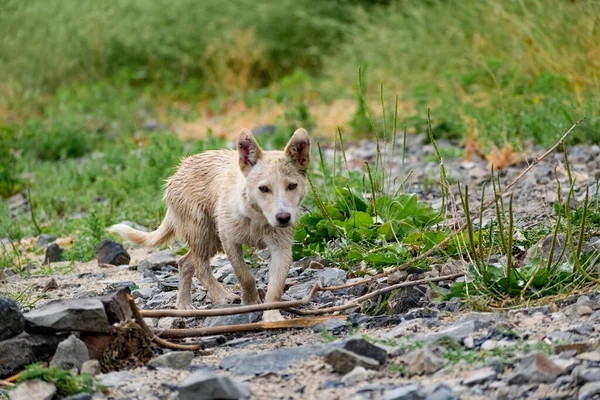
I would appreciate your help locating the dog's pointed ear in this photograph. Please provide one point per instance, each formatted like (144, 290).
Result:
(298, 149)
(248, 149)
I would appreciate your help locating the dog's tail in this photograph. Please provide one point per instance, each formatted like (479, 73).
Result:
(163, 234)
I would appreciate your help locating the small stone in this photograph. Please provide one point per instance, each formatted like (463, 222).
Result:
(171, 323)
(86, 315)
(589, 391)
(344, 361)
(331, 277)
(333, 326)
(235, 319)
(91, 367)
(150, 125)
(53, 253)
(13, 322)
(20, 351)
(50, 285)
(459, 331)
(44, 240)
(479, 376)
(70, 353)
(158, 260)
(358, 374)
(174, 360)
(535, 368)
(584, 310)
(408, 392)
(142, 293)
(204, 385)
(116, 378)
(34, 389)
(589, 356)
(112, 253)
(365, 348)
(442, 392)
(423, 361)
(576, 347)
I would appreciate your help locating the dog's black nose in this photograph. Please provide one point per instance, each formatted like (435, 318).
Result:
(283, 218)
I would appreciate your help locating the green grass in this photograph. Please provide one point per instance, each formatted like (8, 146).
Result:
(66, 383)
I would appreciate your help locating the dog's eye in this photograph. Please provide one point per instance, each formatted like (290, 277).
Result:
(292, 186)
(264, 189)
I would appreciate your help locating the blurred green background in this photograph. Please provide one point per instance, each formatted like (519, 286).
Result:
(100, 99)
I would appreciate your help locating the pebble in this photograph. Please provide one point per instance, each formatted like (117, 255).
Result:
(204, 385)
(33, 389)
(175, 360)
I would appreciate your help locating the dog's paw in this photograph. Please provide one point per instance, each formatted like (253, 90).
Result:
(272, 316)
(225, 298)
(185, 306)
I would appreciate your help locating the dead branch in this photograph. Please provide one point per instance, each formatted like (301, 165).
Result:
(358, 300)
(232, 310)
(161, 342)
(257, 326)
(536, 160)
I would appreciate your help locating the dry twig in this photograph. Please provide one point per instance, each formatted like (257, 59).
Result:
(257, 326)
(358, 300)
(161, 342)
(232, 310)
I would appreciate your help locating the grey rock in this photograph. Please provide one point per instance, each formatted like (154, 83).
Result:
(204, 385)
(150, 125)
(117, 378)
(158, 260)
(442, 392)
(91, 367)
(26, 349)
(171, 323)
(34, 389)
(44, 240)
(343, 361)
(143, 293)
(365, 348)
(358, 374)
(331, 277)
(161, 299)
(535, 368)
(588, 374)
(480, 376)
(423, 361)
(589, 356)
(85, 315)
(589, 391)
(371, 387)
(333, 326)
(174, 360)
(408, 392)
(269, 361)
(53, 253)
(235, 319)
(13, 322)
(50, 285)
(112, 253)
(299, 291)
(459, 331)
(70, 353)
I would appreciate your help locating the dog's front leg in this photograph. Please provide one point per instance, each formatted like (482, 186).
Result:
(247, 282)
(281, 260)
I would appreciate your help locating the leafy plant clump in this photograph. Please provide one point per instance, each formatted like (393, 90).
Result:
(66, 383)
(352, 229)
